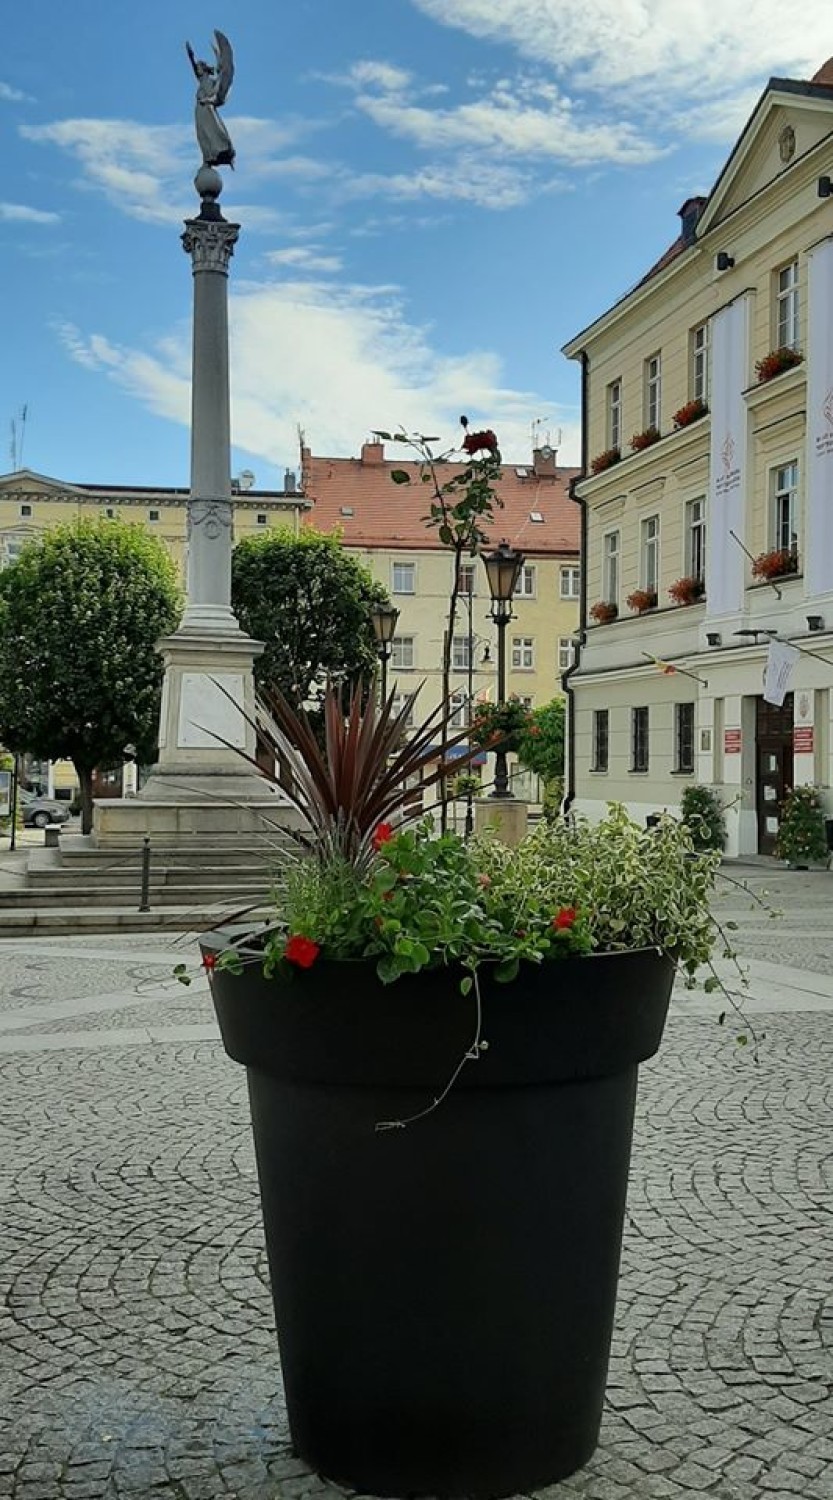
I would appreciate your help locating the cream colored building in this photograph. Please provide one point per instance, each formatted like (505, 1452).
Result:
(383, 525)
(750, 476)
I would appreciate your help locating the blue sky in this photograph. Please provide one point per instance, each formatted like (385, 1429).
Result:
(434, 195)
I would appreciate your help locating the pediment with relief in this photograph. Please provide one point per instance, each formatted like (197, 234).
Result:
(28, 484)
(783, 128)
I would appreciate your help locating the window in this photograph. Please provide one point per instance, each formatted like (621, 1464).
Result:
(153, 515)
(262, 520)
(461, 653)
(399, 702)
(525, 588)
(700, 363)
(402, 652)
(404, 578)
(466, 578)
(786, 307)
(653, 390)
(695, 538)
(570, 583)
(523, 652)
(610, 568)
(785, 507)
(25, 510)
(639, 739)
(650, 554)
(684, 737)
(458, 704)
(614, 414)
(566, 650)
(528, 704)
(601, 739)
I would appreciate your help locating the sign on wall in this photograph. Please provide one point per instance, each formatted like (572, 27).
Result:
(803, 739)
(731, 742)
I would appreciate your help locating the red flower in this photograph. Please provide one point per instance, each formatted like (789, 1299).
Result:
(477, 442)
(209, 961)
(382, 834)
(301, 951)
(564, 918)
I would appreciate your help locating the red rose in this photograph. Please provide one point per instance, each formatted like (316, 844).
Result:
(477, 442)
(564, 918)
(209, 961)
(382, 834)
(301, 951)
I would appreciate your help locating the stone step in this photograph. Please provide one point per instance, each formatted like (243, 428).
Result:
(100, 919)
(89, 894)
(59, 878)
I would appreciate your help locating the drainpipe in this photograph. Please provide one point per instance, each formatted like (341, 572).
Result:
(570, 779)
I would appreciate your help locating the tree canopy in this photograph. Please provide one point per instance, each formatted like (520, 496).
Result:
(80, 611)
(310, 601)
(541, 747)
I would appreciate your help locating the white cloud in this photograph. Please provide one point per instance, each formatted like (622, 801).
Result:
(380, 75)
(688, 45)
(304, 258)
(349, 362)
(11, 95)
(22, 214)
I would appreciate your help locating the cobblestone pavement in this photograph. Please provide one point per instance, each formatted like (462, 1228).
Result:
(138, 1350)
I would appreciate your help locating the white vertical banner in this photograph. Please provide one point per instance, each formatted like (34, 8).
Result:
(727, 482)
(817, 559)
(780, 664)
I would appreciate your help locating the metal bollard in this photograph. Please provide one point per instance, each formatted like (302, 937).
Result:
(145, 897)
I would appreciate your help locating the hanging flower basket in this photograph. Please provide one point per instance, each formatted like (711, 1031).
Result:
(641, 600)
(645, 439)
(603, 612)
(691, 412)
(500, 726)
(777, 361)
(782, 561)
(687, 590)
(605, 460)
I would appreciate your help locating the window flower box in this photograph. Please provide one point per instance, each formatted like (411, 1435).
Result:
(646, 439)
(641, 600)
(604, 611)
(605, 460)
(687, 590)
(691, 412)
(776, 564)
(777, 361)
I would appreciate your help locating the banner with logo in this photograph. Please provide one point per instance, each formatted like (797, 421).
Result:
(780, 664)
(818, 540)
(727, 483)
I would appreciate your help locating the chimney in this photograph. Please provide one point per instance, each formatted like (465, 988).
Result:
(373, 452)
(544, 462)
(289, 482)
(689, 214)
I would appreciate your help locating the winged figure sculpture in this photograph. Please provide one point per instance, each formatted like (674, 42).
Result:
(213, 83)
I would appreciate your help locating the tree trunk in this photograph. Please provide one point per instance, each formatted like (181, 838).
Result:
(85, 778)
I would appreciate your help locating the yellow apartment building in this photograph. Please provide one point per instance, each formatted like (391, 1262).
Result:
(707, 487)
(382, 523)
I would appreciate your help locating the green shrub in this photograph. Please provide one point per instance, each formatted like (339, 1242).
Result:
(467, 782)
(702, 811)
(801, 832)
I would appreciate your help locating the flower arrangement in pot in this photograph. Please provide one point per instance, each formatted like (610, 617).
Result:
(646, 439)
(687, 590)
(605, 460)
(603, 611)
(772, 364)
(775, 564)
(692, 411)
(641, 600)
(500, 725)
(442, 1041)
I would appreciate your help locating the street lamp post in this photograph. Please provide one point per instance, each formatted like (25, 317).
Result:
(473, 640)
(384, 618)
(503, 569)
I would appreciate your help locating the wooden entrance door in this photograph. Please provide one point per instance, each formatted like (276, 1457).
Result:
(774, 767)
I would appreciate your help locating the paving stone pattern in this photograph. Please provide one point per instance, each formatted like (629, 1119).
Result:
(138, 1347)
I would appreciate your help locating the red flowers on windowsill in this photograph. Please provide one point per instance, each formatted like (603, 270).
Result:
(691, 412)
(776, 361)
(603, 611)
(646, 439)
(605, 460)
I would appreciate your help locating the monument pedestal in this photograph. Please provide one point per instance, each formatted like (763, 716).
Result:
(506, 815)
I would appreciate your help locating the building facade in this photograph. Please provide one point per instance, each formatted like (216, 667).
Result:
(707, 492)
(383, 524)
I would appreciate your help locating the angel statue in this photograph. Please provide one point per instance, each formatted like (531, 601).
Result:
(213, 83)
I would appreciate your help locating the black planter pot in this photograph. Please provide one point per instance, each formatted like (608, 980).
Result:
(444, 1293)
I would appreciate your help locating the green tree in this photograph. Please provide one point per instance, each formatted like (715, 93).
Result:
(541, 748)
(80, 611)
(310, 601)
(802, 838)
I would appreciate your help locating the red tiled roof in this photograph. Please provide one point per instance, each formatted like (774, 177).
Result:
(387, 515)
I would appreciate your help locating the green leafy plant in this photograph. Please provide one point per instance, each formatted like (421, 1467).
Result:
(467, 784)
(802, 838)
(497, 726)
(541, 747)
(702, 812)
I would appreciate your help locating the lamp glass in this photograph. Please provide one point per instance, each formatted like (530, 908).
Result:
(384, 618)
(503, 569)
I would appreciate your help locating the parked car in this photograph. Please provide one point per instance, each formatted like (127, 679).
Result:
(39, 812)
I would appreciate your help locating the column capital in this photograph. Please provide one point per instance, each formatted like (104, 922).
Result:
(210, 243)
